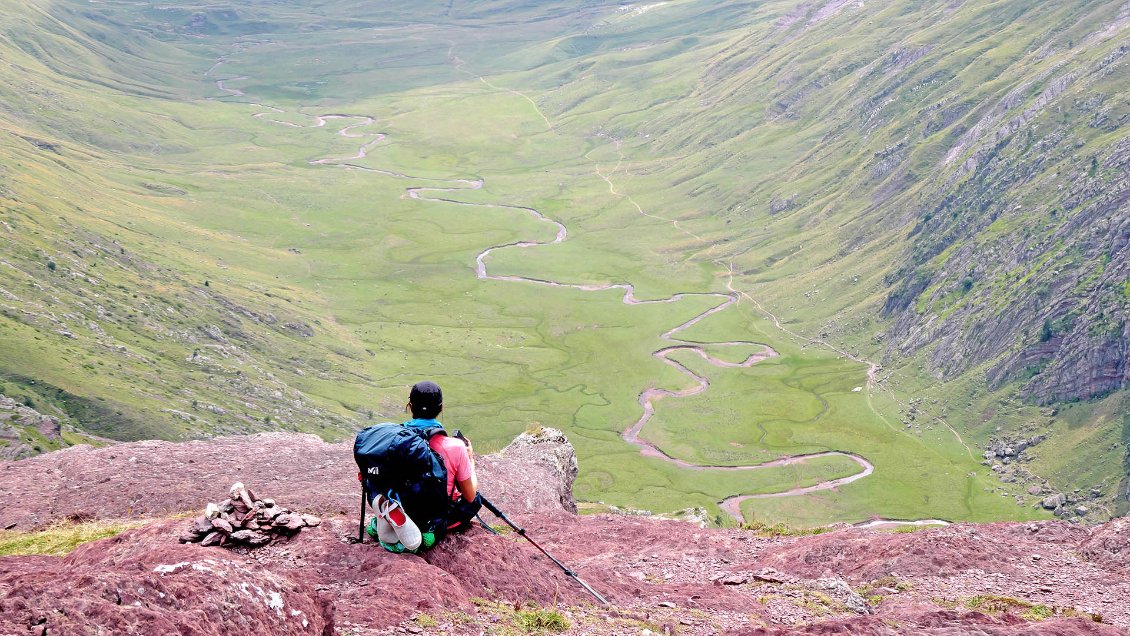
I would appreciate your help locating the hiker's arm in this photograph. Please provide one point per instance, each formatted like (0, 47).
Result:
(468, 489)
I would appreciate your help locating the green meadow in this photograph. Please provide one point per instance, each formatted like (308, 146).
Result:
(657, 149)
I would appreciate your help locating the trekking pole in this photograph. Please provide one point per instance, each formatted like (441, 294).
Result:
(498, 513)
(361, 523)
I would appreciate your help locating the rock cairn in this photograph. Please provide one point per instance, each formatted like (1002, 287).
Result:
(243, 519)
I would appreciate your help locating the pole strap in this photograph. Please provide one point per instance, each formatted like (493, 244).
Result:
(485, 525)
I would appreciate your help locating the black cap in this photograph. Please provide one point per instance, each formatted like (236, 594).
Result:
(426, 399)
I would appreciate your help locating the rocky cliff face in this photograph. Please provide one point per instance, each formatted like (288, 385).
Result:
(1021, 252)
(661, 576)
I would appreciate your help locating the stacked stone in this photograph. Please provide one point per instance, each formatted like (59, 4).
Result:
(243, 519)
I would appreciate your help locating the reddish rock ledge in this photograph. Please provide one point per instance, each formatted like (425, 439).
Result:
(661, 576)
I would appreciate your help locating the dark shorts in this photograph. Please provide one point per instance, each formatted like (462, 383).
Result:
(462, 513)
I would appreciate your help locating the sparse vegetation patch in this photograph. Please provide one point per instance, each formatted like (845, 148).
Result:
(60, 538)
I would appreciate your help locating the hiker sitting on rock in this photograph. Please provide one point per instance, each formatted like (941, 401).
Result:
(426, 490)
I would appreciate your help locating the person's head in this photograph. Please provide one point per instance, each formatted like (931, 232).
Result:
(425, 400)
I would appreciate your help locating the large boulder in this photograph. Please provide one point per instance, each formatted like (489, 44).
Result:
(1054, 501)
(545, 481)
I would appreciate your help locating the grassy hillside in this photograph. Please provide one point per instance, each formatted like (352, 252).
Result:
(117, 314)
(196, 251)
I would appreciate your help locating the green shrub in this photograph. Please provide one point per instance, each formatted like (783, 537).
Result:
(541, 619)
(1038, 613)
(991, 604)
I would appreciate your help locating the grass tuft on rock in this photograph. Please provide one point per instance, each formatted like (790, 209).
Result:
(59, 539)
(996, 605)
(540, 619)
(762, 529)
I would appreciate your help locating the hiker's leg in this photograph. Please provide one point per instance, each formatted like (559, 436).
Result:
(427, 540)
(462, 512)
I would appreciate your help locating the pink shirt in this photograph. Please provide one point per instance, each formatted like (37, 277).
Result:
(455, 459)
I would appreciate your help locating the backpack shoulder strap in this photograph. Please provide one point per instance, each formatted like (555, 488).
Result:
(432, 431)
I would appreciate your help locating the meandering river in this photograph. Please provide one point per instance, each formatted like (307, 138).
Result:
(647, 397)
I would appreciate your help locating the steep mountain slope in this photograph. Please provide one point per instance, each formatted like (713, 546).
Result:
(106, 321)
(934, 125)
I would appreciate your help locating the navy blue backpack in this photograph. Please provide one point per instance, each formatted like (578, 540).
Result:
(397, 462)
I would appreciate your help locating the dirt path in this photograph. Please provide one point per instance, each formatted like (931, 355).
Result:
(648, 397)
(233, 92)
(614, 192)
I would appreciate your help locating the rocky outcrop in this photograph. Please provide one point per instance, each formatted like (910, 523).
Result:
(944, 552)
(155, 478)
(1011, 448)
(15, 420)
(943, 623)
(546, 447)
(660, 575)
(1109, 545)
(1044, 300)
